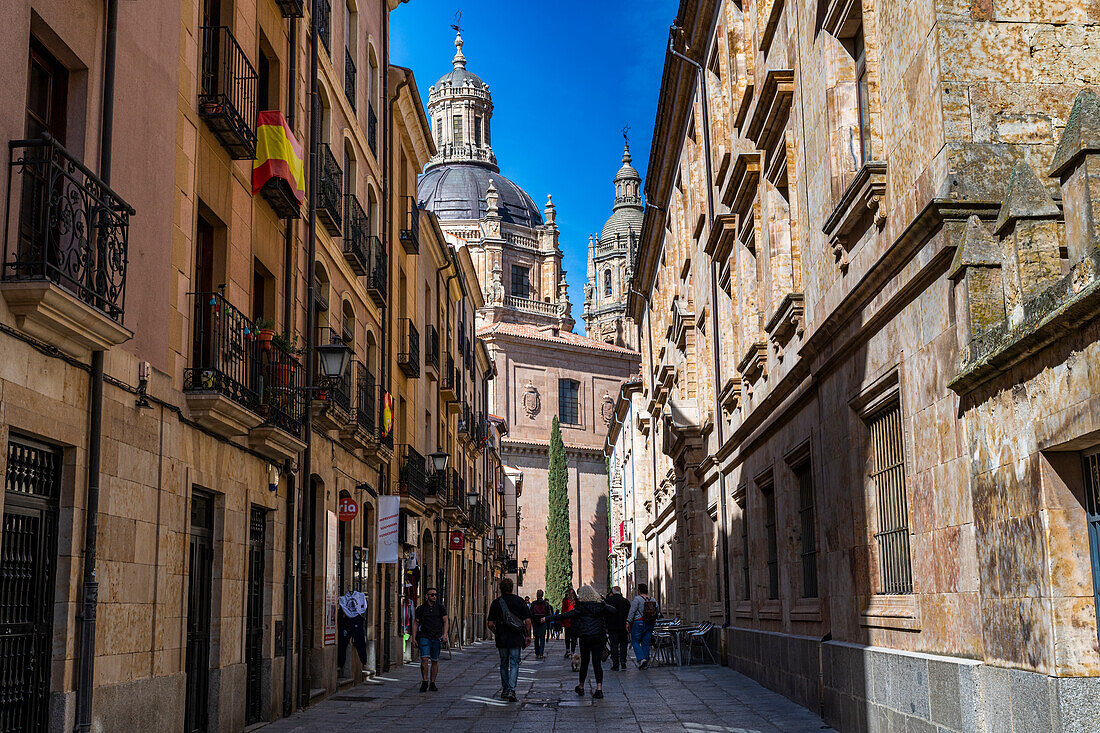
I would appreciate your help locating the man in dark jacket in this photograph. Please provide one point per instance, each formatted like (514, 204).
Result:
(508, 610)
(540, 609)
(616, 629)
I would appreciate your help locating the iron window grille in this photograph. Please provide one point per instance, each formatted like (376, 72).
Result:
(349, 78)
(73, 229)
(357, 237)
(772, 532)
(569, 401)
(806, 515)
(227, 92)
(372, 130)
(408, 355)
(888, 475)
(323, 8)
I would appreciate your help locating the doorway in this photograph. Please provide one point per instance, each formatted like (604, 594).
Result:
(254, 620)
(200, 575)
(28, 558)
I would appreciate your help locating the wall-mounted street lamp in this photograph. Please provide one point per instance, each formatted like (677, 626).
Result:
(499, 530)
(439, 460)
(334, 358)
(511, 548)
(471, 497)
(525, 565)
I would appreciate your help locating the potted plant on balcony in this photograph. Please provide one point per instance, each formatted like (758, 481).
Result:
(265, 333)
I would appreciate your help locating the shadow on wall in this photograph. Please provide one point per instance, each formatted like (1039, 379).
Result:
(600, 556)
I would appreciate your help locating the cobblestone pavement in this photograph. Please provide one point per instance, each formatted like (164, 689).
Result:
(698, 699)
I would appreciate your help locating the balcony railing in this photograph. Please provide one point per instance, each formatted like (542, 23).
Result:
(431, 347)
(349, 78)
(530, 305)
(372, 130)
(330, 191)
(284, 395)
(408, 348)
(356, 236)
(377, 274)
(73, 229)
(224, 352)
(447, 378)
(324, 21)
(366, 398)
(227, 92)
(439, 484)
(410, 227)
(412, 472)
(465, 421)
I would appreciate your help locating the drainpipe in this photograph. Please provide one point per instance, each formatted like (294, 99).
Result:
(291, 484)
(307, 432)
(86, 673)
(715, 346)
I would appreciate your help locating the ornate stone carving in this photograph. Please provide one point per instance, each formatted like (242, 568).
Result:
(530, 401)
(494, 292)
(607, 408)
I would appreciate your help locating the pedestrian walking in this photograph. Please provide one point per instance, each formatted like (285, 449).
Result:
(617, 629)
(510, 622)
(567, 605)
(540, 609)
(640, 619)
(589, 619)
(429, 628)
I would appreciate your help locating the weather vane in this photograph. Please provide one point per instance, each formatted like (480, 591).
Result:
(457, 25)
(626, 134)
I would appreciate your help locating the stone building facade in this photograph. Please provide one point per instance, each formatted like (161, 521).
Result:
(541, 368)
(216, 540)
(867, 317)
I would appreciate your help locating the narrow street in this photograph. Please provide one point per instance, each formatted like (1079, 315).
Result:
(658, 700)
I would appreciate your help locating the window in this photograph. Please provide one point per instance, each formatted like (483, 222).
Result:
(263, 293)
(746, 576)
(521, 282)
(767, 491)
(607, 283)
(862, 97)
(47, 93)
(809, 539)
(1092, 516)
(439, 131)
(888, 475)
(569, 401)
(477, 131)
(456, 124)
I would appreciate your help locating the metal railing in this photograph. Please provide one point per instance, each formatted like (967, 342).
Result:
(284, 395)
(447, 378)
(439, 484)
(366, 398)
(330, 187)
(73, 229)
(356, 235)
(412, 473)
(377, 274)
(410, 227)
(372, 130)
(224, 352)
(349, 78)
(888, 475)
(323, 8)
(408, 348)
(431, 347)
(227, 92)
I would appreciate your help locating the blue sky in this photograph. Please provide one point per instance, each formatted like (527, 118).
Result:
(565, 78)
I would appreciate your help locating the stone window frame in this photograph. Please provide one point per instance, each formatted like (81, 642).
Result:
(881, 610)
(740, 499)
(808, 608)
(767, 489)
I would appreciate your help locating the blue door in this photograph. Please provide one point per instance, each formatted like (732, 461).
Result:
(1092, 516)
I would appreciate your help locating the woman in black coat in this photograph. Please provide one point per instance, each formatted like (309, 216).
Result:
(590, 618)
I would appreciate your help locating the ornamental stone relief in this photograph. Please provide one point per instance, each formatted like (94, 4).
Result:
(607, 409)
(530, 401)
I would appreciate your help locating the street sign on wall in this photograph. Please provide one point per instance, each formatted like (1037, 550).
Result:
(457, 540)
(348, 509)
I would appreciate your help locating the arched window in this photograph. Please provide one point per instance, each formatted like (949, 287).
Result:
(349, 168)
(607, 283)
(326, 114)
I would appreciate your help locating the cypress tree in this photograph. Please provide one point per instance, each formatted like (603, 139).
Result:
(559, 549)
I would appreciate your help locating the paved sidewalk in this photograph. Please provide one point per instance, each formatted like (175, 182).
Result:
(700, 699)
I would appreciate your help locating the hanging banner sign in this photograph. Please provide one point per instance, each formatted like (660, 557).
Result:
(387, 414)
(349, 510)
(330, 581)
(457, 540)
(389, 508)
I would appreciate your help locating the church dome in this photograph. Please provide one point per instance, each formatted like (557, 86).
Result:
(457, 191)
(459, 77)
(622, 221)
(629, 210)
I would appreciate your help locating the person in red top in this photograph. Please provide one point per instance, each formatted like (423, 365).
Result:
(567, 605)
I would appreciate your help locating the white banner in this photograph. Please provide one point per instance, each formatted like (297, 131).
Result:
(389, 507)
(330, 579)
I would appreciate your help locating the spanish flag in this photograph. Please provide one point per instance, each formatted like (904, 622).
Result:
(278, 155)
(387, 414)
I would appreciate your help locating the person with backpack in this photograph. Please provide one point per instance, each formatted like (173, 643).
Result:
(540, 609)
(640, 621)
(510, 622)
(617, 634)
(589, 619)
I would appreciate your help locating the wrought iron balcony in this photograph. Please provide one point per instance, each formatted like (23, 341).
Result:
(356, 238)
(323, 8)
(283, 401)
(225, 355)
(349, 78)
(337, 391)
(330, 191)
(372, 130)
(439, 484)
(366, 399)
(291, 8)
(431, 347)
(73, 229)
(410, 227)
(227, 92)
(465, 421)
(377, 274)
(408, 348)
(412, 473)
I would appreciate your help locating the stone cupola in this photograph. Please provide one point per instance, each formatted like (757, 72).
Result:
(460, 108)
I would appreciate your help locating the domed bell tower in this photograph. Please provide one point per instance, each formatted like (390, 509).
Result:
(460, 108)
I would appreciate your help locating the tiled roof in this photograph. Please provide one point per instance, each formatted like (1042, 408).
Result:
(543, 333)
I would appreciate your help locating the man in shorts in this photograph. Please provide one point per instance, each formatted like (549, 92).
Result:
(429, 628)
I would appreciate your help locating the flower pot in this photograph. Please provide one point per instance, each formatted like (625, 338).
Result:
(265, 335)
